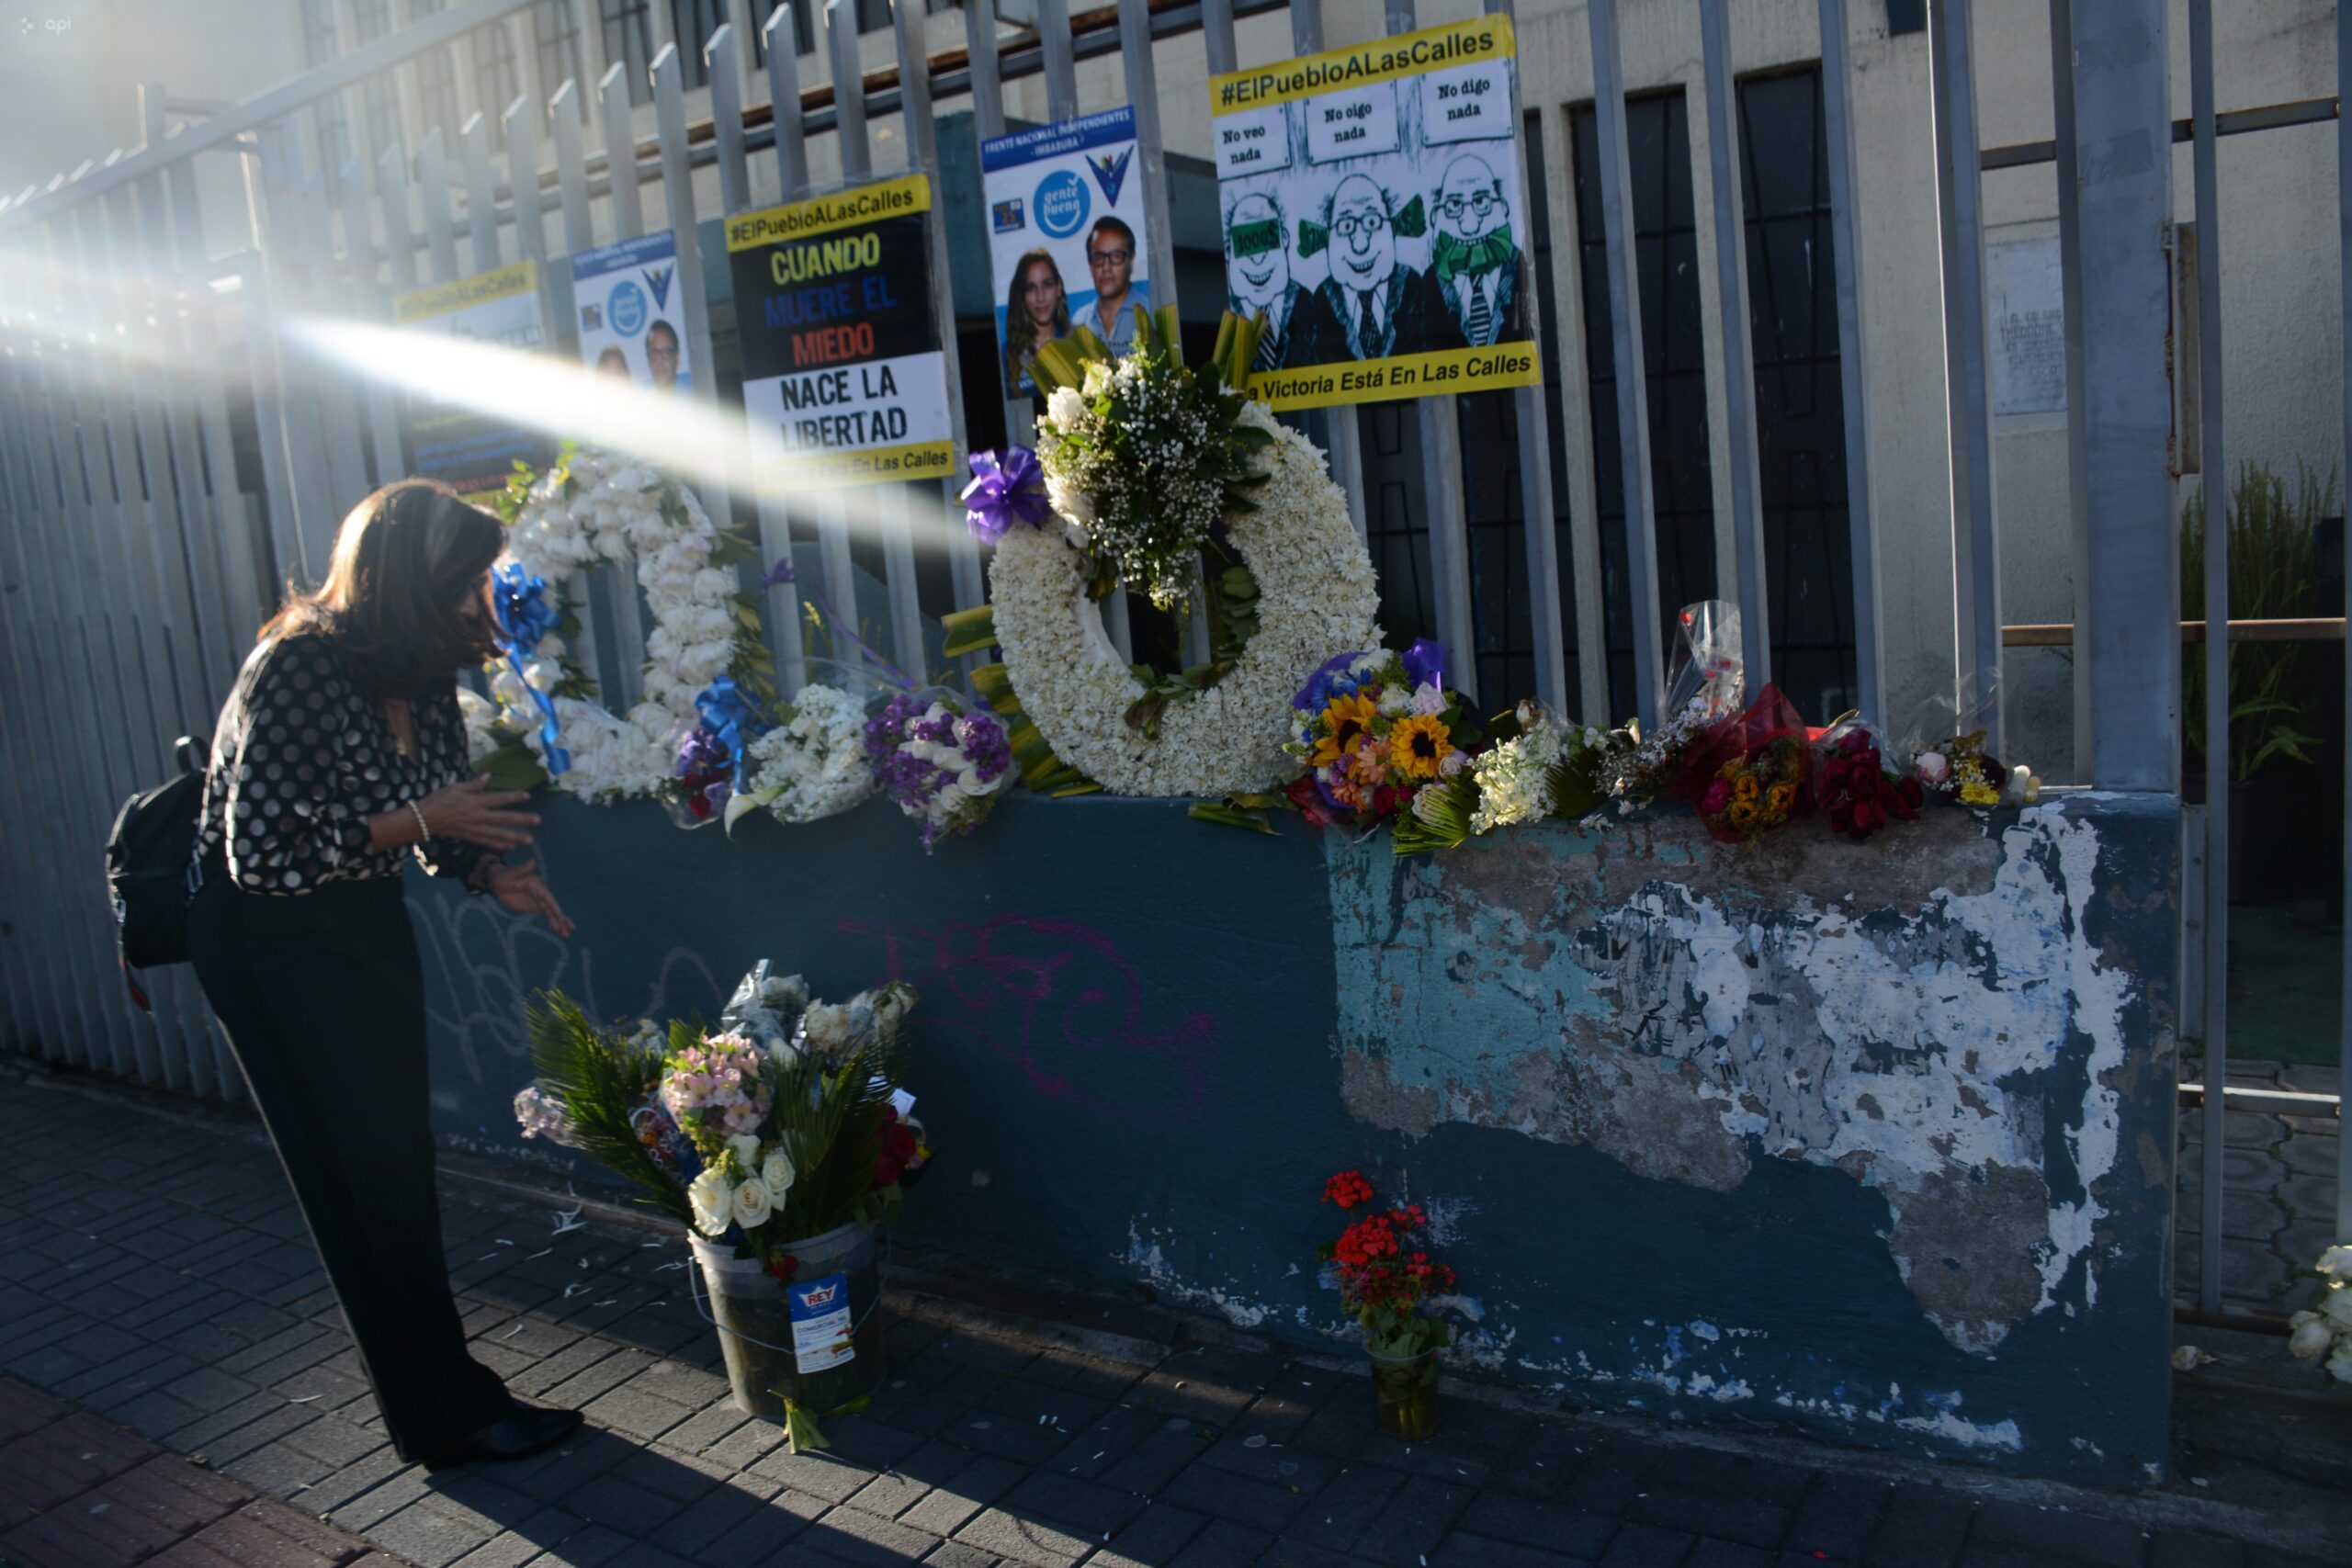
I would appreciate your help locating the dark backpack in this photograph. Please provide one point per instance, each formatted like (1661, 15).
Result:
(152, 873)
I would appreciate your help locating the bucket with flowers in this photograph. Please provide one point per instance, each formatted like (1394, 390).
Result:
(1388, 1278)
(783, 1140)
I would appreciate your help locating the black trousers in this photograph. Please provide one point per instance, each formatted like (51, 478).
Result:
(322, 999)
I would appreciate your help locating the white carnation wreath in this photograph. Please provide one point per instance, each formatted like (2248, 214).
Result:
(595, 508)
(1316, 597)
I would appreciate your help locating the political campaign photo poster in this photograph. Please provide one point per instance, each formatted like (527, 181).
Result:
(631, 311)
(1369, 198)
(1066, 236)
(470, 450)
(844, 380)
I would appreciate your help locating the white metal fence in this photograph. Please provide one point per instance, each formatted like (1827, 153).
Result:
(169, 455)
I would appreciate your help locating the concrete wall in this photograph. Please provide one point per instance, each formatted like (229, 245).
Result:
(1872, 1142)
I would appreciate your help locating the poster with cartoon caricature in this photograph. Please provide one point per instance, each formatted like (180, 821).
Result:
(1066, 236)
(1369, 200)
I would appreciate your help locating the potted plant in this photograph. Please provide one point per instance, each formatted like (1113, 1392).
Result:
(2275, 804)
(1388, 1279)
(781, 1141)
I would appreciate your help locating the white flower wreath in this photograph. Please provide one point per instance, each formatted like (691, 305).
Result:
(1316, 597)
(596, 508)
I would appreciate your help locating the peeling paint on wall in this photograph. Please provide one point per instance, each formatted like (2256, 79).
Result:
(1918, 1013)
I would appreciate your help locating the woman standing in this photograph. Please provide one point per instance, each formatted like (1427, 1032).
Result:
(339, 755)
(1036, 311)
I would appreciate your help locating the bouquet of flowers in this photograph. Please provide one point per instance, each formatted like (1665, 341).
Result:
(713, 753)
(942, 765)
(1388, 1278)
(2328, 1330)
(1146, 453)
(1538, 765)
(1853, 785)
(785, 1122)
(812, 764)
(1376, 730)
(1750, 774)
(1709, 684)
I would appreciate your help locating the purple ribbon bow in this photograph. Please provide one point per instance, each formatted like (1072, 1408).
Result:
(1425, 663)
(1007, 487)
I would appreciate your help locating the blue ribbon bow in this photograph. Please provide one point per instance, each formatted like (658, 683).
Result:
(524, 618)
(728, 714)
(1425, 663)
(1007, 487)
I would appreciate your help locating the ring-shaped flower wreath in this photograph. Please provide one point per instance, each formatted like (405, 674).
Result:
(590, 508)
(1316, 591)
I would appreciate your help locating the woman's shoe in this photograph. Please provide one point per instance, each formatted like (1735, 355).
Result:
(524, 1431)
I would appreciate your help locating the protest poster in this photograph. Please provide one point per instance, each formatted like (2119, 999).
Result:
(631, 311)
(1066, 236)
(471, 450)
(844, 380)
(1368, 198)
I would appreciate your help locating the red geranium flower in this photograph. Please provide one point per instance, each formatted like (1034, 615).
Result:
(1346, 1189)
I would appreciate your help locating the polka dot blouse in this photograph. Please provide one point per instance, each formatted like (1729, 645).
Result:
(301, 760)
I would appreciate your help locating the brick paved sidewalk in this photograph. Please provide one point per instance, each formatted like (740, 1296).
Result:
(153, 1270)
(74, 1489)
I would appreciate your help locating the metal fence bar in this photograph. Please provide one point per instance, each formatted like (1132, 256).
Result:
(829, 507)
(521, 122)
(1853, 361)
(570, 167)
(915, 99)
(481, 195)
(784, 629)
(1959, 201)
(46, 683)
(726, 117)
(1342, 428)
(1438, 421)
(1744, 472)
(433, 186)
(694, 301)
(1632, 378)
(337, 395)
(126, 729)
(626, 632)
(1547, 613)
(2344, 230)
(369, 303)
(2217, 650)
(305, 530)
(988, 123)
(39, 1006)
(2070, 284)
(2133, 592)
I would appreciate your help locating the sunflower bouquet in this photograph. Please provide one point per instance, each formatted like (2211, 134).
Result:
(1376, 730)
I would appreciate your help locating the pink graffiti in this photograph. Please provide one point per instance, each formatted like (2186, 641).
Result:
(1040, 994)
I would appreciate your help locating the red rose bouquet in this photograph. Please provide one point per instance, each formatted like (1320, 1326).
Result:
(1854, 787)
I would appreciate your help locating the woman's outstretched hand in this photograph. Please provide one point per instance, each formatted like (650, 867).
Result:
(479, 815)
(521, 889)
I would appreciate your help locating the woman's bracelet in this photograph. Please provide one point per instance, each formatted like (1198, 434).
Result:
(424, 829)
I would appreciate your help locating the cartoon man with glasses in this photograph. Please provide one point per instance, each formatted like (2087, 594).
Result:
(1300, 328)
(1384, 306)
(1476, 265)
(1111, 257)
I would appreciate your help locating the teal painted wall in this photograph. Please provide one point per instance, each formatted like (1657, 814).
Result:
(1704, 1134)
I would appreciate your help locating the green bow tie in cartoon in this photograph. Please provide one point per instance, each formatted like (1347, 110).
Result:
(1451, 258)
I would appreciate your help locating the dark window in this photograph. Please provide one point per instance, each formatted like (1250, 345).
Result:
(1396, 524)
(803, 31)
(694, 21)
(1800, 409)
(437, 87)
(628, 43)
(557, 26)
(332, 119)
(1674, 351)
(379, 94)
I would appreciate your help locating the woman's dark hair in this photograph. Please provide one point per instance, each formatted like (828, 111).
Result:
(1020, 332)
(394, 599)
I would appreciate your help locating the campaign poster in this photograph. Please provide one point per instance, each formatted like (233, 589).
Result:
(844, 380)
(1370, 202)
(1066, 236)
(632, 322)
(470, 450)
